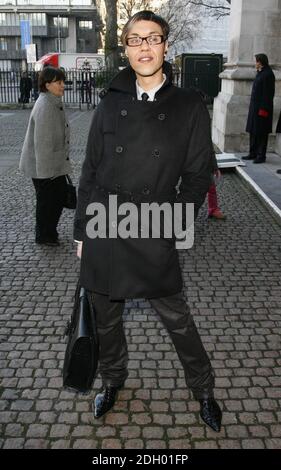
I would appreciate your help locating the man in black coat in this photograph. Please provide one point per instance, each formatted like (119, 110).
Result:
(260, 116)
(145, 135)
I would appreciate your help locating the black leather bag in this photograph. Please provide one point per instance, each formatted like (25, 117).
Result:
(81, 356)
(70, 198)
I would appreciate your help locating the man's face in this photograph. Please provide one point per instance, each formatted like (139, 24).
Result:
(258, 65)
(146, 60)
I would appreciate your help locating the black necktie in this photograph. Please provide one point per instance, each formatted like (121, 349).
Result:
(144, 97)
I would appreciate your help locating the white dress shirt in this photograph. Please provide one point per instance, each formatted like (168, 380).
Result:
(151, 93)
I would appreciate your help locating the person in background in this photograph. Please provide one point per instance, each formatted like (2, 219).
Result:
(45, 154)
(213, 206)
(25, 88)
(259, 123)
(35, 85)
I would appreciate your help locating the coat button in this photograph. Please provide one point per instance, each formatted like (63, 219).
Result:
(156, 153)
(124, 112)
(119, 149)
(161, 116)
(145, 191)
(67, 158)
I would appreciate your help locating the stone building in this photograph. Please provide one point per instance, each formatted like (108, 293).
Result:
(255, 27)
(56, 26)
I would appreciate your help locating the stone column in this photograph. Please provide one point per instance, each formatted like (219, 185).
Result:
(255, 27)
(278, 144)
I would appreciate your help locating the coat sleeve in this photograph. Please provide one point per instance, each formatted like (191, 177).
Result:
(94, 151)
(43, 141)
(198, 166)
(214, 161)
(268, 91)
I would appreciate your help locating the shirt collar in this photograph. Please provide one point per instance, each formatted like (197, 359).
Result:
(151, 93)
(56, 100)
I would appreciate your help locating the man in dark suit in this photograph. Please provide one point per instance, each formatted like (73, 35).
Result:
(260, 116)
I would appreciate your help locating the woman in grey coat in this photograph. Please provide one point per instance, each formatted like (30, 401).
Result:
(45, 154)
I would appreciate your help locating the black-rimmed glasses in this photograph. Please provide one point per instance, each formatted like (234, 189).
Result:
(153, 40)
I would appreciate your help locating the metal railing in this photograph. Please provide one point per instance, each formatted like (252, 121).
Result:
(82, 87)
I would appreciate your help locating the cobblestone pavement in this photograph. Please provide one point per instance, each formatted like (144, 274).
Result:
(232, 283)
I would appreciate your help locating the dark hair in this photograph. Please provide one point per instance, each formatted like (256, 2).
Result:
(145, 15)
(49, 74)
(263, 59)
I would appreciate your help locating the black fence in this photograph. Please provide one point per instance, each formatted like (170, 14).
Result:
(82, 87)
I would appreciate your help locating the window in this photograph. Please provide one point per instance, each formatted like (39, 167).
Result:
(81, 45)
(18, 43)
(24, 16)
(3, 44)
(85, 24)
(3, 19)
(38, 19)
(81, 2)
(13, 19)
(60, 44)
(61, 21)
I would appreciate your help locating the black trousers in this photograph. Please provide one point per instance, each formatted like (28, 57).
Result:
(49, 206)
(258, 145)
(176, 317)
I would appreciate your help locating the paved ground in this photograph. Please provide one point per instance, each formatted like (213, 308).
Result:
(266, 177)
(232, 282)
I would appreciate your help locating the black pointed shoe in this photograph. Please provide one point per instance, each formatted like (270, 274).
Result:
(211, 413)
(259, 160)
(104, 401)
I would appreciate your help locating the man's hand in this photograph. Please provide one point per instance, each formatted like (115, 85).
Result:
(79, 249)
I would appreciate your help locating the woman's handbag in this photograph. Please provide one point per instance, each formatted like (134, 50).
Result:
(70, 198)
(81, 356)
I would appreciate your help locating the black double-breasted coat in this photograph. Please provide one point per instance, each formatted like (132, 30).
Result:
(140, 150)
(262, 96)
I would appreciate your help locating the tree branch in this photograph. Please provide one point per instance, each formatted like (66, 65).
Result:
(207, 5)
